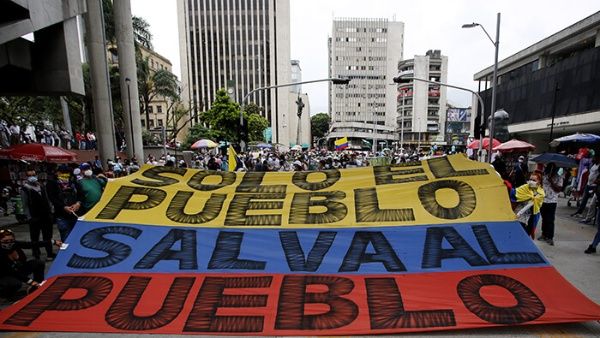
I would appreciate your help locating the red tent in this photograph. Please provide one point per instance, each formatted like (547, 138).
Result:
(38, 152)
(514, 145)
(486, 143)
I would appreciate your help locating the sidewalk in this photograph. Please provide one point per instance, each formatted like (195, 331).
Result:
(571, 239)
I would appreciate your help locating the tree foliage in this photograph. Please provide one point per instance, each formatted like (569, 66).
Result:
(223, 118)
(153, 84)
(319, 124)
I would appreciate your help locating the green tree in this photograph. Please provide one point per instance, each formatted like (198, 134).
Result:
(319, 125)
(256, 122)
(256, 125)
(223, 118)
(153, 84)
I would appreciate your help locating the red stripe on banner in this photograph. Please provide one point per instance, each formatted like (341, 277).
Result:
(296, 304)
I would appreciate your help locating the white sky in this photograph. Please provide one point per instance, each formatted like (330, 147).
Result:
(433, 24)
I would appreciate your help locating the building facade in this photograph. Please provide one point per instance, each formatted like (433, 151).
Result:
(240, 46)
(422, 106)
(159, 105)
(556, 79)
(458, 126)
(366, 51)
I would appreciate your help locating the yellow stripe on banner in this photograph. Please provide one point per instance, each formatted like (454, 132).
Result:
(341, 141)
(437, 191)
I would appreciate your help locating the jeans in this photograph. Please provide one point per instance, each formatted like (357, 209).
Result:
(65, 225)
(587, 192)
(596, 240)
(548, 212)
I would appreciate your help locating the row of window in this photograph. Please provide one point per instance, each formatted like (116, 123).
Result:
(354, 39)
(363, 30)
(158, 109)
(359, 68)
(151, 125)
(358, 59)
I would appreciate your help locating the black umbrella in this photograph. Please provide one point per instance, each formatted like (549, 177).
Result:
(558, 159)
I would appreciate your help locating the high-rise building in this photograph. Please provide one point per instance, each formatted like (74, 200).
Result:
(421, 105)
(240, 46)
(367, 51)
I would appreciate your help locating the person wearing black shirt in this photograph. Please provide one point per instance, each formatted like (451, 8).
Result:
(15, 268)
(38, 212)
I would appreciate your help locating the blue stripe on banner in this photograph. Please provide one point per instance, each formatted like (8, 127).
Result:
(102, 247)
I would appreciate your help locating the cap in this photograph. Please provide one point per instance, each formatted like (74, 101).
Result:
(85, 166)
(76, 171)
(522, 157)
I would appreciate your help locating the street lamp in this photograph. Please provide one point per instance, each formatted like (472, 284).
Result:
(127, 80)
(335, 81)
(402, 78)
(494, 78)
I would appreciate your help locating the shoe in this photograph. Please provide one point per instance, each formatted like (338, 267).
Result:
(590, 250)
(585, 221)
(542, 238)
(575, 214)
(550, 241)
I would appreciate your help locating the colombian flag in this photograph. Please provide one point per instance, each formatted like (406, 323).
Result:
(341, 144)
(232, 159)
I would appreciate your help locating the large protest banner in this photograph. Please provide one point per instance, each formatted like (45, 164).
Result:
(431, 245)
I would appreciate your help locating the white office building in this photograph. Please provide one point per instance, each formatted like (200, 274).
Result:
(422, 106)
(367, 51)
(240, 46)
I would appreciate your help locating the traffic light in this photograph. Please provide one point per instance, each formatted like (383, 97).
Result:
(501, 125)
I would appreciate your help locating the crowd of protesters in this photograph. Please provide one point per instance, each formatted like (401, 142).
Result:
(13, 134)
(68, 192)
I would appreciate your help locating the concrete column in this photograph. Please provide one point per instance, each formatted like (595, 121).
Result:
(100, 81)
(128, 70)
(66, 116)
(597, 44)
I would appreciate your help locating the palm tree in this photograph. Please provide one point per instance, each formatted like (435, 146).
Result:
(153, 84)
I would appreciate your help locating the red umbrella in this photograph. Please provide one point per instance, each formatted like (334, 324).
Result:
(38, 152)
(514, 145)
(486, 143)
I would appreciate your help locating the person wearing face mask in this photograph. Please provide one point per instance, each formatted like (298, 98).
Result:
(62, 192)
(15, 268)
(529, 198)
(89, 189)
(553, 184)
(38, 212)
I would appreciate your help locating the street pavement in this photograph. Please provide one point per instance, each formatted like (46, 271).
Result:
(571, 239)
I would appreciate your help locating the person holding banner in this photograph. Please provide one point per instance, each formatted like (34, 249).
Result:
(529, 198)
(15, 269)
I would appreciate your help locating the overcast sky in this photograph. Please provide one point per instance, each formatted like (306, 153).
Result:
(433, 24)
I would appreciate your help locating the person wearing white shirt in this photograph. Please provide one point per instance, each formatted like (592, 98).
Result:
(553, 184)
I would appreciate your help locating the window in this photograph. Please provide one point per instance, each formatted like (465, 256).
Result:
(150, 109)
(151, 124)
(159, 109)
(160, 122)
(144, 123)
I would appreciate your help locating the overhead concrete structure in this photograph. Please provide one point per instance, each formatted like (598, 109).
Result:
(39, 47)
